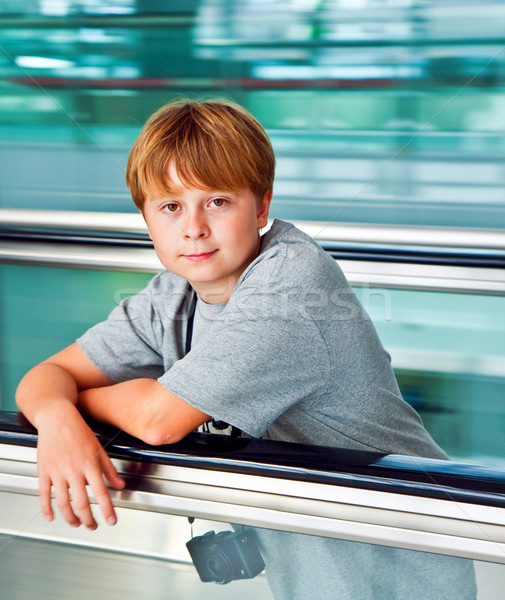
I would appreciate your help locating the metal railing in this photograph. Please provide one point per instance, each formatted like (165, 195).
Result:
(429, 505)
(459, 260)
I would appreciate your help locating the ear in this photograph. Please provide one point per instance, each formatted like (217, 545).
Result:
(263, 209)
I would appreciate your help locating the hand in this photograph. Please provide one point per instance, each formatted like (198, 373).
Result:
(69, 457)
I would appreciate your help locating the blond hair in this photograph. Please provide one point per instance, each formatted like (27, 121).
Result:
(214, 145)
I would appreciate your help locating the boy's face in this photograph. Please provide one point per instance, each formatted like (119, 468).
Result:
(207, 237)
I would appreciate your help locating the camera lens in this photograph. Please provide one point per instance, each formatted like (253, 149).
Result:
(216, 568)
(219, 566)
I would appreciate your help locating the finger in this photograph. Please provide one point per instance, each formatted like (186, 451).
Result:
(102, 497)
(111, 473)
(45, 497)
(81, 504)
(62, 501)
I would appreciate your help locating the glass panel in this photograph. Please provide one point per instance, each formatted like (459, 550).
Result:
(43, 310)
(39, 569)
(297, 567)
(448, 349)
(387, 115)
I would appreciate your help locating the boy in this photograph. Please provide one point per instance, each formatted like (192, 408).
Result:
(262, 332)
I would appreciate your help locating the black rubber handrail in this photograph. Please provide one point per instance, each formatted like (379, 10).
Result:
(422, 477)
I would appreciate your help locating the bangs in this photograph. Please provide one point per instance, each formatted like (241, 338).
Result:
(212, 146)
(199, 164)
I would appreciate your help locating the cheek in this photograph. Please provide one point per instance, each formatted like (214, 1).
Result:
(161, 232)
(241, 235)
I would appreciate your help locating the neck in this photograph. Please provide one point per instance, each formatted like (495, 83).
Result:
(214, 294)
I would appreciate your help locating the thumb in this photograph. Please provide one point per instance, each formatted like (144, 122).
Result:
(111, 473)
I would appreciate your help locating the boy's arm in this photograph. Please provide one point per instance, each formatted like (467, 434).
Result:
(68, 453)
(144, 409)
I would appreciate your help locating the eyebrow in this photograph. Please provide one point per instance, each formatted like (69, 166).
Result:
(160, 194)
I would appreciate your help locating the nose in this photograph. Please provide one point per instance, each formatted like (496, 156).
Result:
(195, 225)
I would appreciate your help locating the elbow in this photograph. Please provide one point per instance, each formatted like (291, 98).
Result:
(166, 419)
(156, 428)
(159, 435)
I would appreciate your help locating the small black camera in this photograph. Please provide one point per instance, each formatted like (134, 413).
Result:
(225, 556)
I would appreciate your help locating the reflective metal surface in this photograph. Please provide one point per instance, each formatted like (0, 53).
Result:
(325, 231)
(47, 570)
(80, 256)
(446, 526)
(115, 252)
(144, 554)
(359, 273)
(69, 221)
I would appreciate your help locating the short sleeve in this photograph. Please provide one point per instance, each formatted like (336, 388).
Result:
(142, 337)
(258, 359)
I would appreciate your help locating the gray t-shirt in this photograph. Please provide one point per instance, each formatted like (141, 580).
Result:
(291, 356)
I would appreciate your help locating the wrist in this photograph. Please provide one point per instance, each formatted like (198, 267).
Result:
(55, 410)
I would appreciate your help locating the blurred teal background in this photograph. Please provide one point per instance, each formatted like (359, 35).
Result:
(383, 111)
(388, 112)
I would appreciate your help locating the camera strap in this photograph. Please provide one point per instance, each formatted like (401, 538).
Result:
(191, 521)
(219, 425)
(191, 321)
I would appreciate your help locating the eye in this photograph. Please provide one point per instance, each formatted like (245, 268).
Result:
(218, 202)
(170, 207)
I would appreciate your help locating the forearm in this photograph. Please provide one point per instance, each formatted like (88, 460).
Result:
(46, 388)
(143, 408)
(124, 405)
(69, 456)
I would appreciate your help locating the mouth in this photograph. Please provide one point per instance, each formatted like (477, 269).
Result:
(200, 256)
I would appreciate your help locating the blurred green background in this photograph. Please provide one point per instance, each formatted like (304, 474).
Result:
(387, 112)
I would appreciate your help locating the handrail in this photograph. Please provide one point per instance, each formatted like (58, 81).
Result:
(68, 222)
(370, 255)
(132, 225)
(435, 506)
